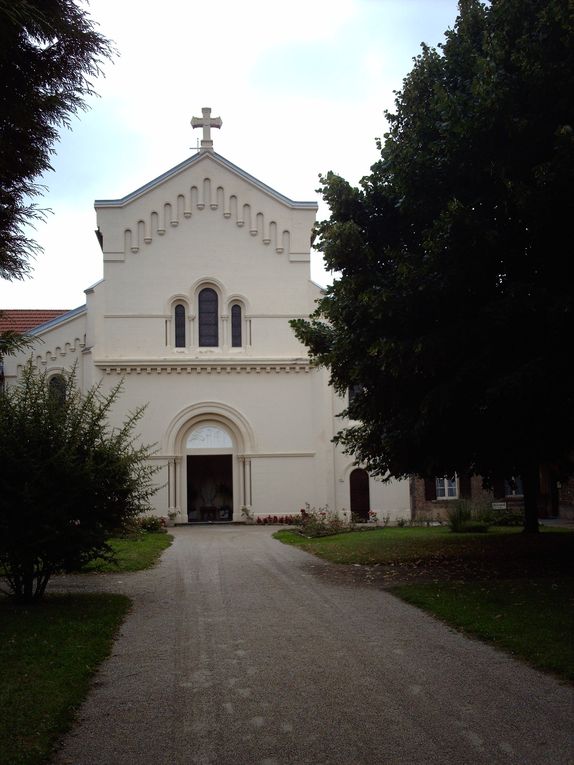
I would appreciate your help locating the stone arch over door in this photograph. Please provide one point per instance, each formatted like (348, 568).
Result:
(210, 470)
(219, 416)
(360, 495)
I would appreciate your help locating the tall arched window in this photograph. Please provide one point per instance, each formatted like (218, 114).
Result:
(236, 339)
(208, 318)
(57, 389)
(179, 323)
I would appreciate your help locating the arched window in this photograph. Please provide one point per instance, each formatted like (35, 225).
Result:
(57, 389)
(208, 318)
(179, 323)
(236, 339)
(209, 437)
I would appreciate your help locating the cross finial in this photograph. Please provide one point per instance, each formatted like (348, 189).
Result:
(206, 122)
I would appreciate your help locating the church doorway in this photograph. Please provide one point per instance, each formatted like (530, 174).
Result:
(209, 488)
(360, 499)
(209, 469)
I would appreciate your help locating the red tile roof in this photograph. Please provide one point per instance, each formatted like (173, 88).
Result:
(22, 320)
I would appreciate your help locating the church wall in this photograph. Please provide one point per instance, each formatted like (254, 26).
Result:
(229, 236)
(275, 491)
(278, 406)
(291, 457)
(392, 498)
(142, 289)
(56, 350)
(212, 225)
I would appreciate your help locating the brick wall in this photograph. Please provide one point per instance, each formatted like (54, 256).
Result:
(423, 509)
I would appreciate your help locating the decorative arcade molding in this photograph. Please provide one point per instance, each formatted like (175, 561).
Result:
(109, 367)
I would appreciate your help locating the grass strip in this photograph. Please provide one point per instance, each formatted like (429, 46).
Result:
(48, 653)
(438, 545)
(532, 619)
(134, 553)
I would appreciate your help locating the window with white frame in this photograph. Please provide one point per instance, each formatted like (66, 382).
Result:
(446, 488)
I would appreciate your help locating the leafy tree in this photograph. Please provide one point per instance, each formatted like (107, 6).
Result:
(49, 51)
(454, 307)
(68, 479)
(11, 342)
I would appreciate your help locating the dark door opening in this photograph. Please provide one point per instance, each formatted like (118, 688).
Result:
(210, 488)
(360, 499)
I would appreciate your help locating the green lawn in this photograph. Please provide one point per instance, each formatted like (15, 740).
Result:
(511, 589)
(48, 653)
(133, 553)
(437, 546)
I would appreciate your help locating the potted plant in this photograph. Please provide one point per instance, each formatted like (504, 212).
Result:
(247, 515)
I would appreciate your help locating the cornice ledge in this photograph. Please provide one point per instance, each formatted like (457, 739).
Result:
(201, 366)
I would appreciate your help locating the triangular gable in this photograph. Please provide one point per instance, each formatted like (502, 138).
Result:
(204, 181)
(195, 159)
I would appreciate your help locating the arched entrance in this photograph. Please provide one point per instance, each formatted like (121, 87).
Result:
(235, 427)
(209, 474)
(360, 499)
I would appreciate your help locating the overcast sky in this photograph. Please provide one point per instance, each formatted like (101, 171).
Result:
(301, 87)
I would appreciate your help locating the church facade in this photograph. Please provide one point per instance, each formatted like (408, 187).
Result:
(204, 267)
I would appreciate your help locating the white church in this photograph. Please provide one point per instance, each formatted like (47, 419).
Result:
(204, 267)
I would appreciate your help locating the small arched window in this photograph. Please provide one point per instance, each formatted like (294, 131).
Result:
(179, 323)
(236, 339)
(57, 389)
(208, 318)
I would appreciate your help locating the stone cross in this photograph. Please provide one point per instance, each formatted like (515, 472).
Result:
(206, 122)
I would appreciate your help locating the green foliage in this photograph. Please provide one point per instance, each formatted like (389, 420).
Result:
(321, 522)
(49, 53)
(152, 524)
(47, 656)
(12, 342)
(463, 517)
(454, 304)
(68, 479)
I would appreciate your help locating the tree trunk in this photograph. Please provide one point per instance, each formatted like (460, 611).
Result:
(531, 484)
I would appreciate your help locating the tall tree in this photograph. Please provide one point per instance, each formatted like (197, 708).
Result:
(454, 308)
(49, 53)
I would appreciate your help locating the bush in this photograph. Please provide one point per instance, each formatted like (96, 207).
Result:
(152, 524)
(458, 514)
(68, 479)
(290, 520)
(463, 516)
(321, 522)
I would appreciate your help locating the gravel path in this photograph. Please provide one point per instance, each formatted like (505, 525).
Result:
(240, 650)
